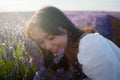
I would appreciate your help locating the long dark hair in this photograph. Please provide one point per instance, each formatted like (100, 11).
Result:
(51, 19)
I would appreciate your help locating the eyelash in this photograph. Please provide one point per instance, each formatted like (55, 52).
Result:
(49, 38)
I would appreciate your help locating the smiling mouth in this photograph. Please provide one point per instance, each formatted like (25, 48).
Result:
(58, 51)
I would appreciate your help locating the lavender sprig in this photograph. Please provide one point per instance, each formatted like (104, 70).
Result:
(59, 56)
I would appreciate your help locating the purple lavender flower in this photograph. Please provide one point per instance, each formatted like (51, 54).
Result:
(23, 52)
(29, 63)
(59, 73)
(26, 45)
(41, 71)
(10, 55)
(69, 75)
(53, 77)
(40, 75)
(59, 56)
(12, 76)
(36, 77)
(2, 37)
(3, 58)
(6, 48)
(5, 77)
(13, 44)
(41, 61)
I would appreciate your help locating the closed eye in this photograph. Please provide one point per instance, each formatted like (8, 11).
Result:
(50, 37)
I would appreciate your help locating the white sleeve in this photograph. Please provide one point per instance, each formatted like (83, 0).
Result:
(97, 58)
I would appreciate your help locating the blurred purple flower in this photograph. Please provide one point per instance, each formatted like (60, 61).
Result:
(69, 75)
(41, 61)
(6, 48)
(5, 77)
(59, 56)
(41, 70)
(59, 73)
(29, 64)
(40, 75)
(36, 77)
(23, 52)
(10, 55)
(12, 76)
(14, 45)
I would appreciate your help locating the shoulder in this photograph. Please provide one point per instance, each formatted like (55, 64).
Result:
(97, 57)
(90, 46)
(88, 39)
(91, 37)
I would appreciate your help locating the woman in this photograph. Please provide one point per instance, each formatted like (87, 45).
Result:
(97, 57)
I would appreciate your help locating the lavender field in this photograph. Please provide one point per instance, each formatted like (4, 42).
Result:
(19, 59)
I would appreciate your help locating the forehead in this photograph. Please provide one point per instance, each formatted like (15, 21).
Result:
(38, 34)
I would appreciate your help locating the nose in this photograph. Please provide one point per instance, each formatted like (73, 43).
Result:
(47, 45)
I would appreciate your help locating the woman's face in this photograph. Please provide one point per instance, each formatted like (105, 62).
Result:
(53, 43)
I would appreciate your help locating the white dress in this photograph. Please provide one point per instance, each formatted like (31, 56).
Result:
(100, 58)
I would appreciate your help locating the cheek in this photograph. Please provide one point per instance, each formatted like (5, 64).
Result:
(56, 42)
(60, 41)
